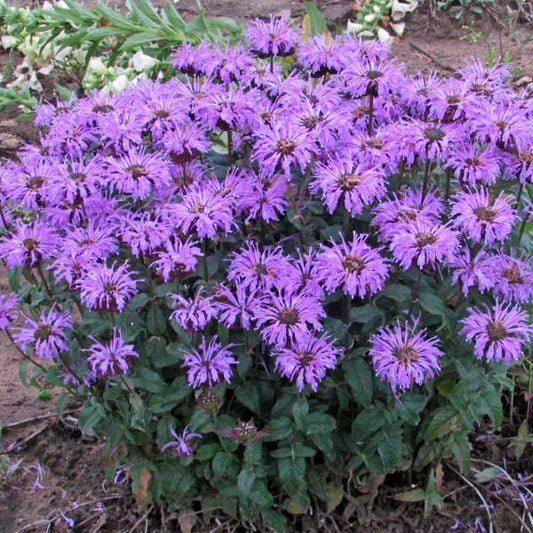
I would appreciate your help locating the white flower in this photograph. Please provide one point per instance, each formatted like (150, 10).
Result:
(141, 62)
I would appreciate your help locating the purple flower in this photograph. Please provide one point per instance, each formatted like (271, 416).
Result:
(93, 242)
(29, 245)
(282, 144)
(512, 278)
(46, 335)
(345, 180)
(256, 268)
(472, 272)
(425, 244)
(138, 173)
(8, 309)
(107, 288)
(110, 359)
(302, 276)
(306, 359)
(195, 314)
(472, 164)
(178, 259)
(482, 219)
(500, 333)
(238, 307)
(143, 233)
(285, 317)
(210, 364)
(353, 266)
(274, 38)
(372, 77)
(321, 55)
(392, 215)
(403, 357)
(182, 446)
(203, 212)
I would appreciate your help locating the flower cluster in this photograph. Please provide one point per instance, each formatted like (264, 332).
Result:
(132, 209)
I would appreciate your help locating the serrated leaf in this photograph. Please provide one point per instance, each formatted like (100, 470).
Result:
(275, 520)
(397, 292)
(221, 462)
(248, 396)
(245, 481)
(261, 495)
(280, 428)
(319, 423)
(292, 474)
(433, 498)
(360, 379)
(432, 303)
(444, 420)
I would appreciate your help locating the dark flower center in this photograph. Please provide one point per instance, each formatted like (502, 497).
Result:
(353, 263)
(161, 113)
(374, 142)
(35, 182)
(137, 171)
(434, 134)
(454, 99)
(265, 115)
(406, 353)
(360, 112)
(501, 125)
(348, 182)
(485, 213)
(311, 122)
(197, 209)
(260, 268)
(103, 108)
(496, 330)
(513, 275)
(289, 316)
(407, 214)
(374, 74)
(110, 287)
(286, 146)
(78, 177)
(305, 358)
(43, 332)
(473, 161)
(30, 243)
(423, 239)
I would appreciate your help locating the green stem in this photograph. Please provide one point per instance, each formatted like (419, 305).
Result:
(426, 177)
(522, 228)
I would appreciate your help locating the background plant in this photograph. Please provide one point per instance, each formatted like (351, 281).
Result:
(210, 265)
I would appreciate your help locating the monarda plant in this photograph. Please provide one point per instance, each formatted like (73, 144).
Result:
(287, 269)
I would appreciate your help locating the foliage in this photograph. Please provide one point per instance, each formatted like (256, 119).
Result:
(257, 277)
(459, 9)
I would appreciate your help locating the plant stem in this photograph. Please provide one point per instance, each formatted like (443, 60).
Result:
(426, 177)
(522, 228)
(370, 113)
(230, 147)
(519, 195)
(414, 297)
(27, 357)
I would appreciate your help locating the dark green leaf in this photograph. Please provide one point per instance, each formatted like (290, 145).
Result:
(248, 396)
(206, 451)
(319, 423)
(432, 303)
(397, 292)
(280, 428)
(261, 495)
(360, 378)
(275, 521)
(292, 474)
(245, 482)
(156, 323)
(221, 462)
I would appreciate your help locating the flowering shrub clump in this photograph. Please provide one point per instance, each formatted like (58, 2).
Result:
(278, 259)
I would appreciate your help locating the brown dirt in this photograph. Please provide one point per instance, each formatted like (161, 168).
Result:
(74, 469)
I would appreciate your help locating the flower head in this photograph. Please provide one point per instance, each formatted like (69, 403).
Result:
(110, 359)
(209, 364)
(306, 359)
(46, 335)
(273, 38)
(403, 357)
(499, 333)
(194, 314)
(8, 309)
(353, 266)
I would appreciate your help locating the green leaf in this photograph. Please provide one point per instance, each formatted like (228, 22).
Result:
(397, 292)
(248, 396)
(416, 495)
(366, 314)
(444, 420)
(138, 39)
(367, 423)
(275, 520)
(432, 496)
(283, 452)
(148, 380)
(221, 463)
(173, 17)
(300, 409)
(89, 417)
(245, 482)
(324, 442)
(432, 303)
(207, 451)
(304, 451)
(23, 369)
(319, 423)
(461, 450)
(156, 322)
(292, 474)
(63, 93)
(261, 495)
(390, 446)
(60, 405)
(335, 495)
(318, 21)
(280, 428)
(409, 406)
(360, 378)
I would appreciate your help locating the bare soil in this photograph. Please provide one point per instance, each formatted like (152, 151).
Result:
(77, 498)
